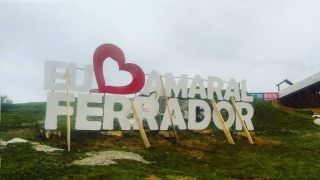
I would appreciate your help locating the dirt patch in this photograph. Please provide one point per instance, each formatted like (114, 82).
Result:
(259, 141)
(162, 142)
(194, 153)
(152, 177)
(194, 148)
(194, 143)
(95, 143)
(171, 177)
(107, 157)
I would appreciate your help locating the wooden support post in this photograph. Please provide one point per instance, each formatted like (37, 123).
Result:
(167, 106)
(68, 113)
(114, 133)
(139, 123)
(167, 134)
(47, 133)
(241, 120)
(223, 124)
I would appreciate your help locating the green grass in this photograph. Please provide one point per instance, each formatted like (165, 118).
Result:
(287, 148)
(21, 115)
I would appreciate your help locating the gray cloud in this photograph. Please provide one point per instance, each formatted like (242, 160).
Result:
(261, 41)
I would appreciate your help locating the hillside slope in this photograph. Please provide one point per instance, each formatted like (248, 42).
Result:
(287, 146)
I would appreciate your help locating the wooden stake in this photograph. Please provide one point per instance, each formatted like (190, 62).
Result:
(47, 133)
(68, 113)
(223, 124)
(241, 120)
(139, 123)
(167, 106)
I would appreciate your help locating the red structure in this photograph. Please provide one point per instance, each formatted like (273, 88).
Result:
(267, 96)
(111, 51)
(270, 96)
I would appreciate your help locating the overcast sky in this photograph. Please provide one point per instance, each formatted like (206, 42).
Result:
(262, 41)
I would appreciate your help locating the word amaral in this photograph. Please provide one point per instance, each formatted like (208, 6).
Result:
(147, 106)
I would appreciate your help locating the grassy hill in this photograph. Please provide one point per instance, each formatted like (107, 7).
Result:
(287, 147)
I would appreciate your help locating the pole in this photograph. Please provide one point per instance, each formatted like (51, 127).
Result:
(139, 123)
(167, 106)
(68, 112)
(223, 124)
(241, 120)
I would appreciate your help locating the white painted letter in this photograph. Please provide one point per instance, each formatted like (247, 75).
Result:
(232, 91)
(87, 80)
(215, 89)
(247, 117)
(54, 109)
(121, 115)
(231, 114)
(181, 86)
(176, 113)
(192, 124)
(197, 87)
(51, 75)
(147, 108)
(244, 96)
(83, 111)
(153, 83)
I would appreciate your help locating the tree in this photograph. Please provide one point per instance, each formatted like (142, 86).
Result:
(5, 100)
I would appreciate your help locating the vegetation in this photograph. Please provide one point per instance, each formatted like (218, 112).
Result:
(5, 100)
(287, 147)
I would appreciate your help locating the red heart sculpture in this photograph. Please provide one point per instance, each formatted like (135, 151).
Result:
(105, 51)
